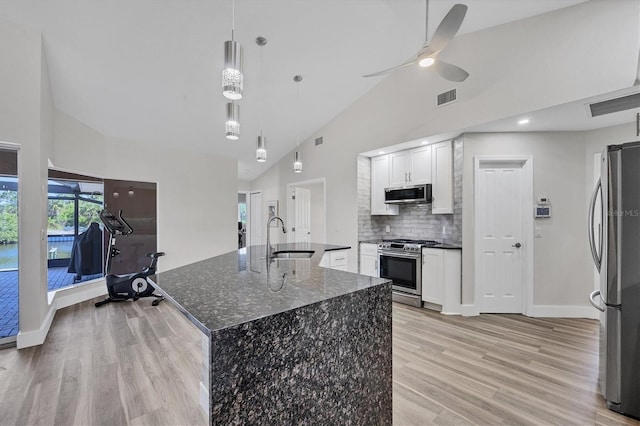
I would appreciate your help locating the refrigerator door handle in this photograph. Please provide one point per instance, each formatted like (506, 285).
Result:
(592, 299)
(597, 257)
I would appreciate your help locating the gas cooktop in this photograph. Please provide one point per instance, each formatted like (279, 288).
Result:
(406, 244)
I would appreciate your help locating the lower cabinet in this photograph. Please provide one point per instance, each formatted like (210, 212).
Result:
(335, 259)
(369, 259)
(442, 279)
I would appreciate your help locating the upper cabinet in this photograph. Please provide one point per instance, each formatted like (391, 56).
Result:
(442, 178)
(380, 181)
(411, 167)
(426, 164)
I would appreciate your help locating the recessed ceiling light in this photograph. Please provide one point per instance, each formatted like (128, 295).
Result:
(523, 121)
(425, 142)
(380, 152)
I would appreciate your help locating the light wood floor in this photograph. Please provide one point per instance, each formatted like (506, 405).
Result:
(122, 363)
(132, 363)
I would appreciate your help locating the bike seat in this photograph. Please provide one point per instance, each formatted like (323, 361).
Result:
(155, 255)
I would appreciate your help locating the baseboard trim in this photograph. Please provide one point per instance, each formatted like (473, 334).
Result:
(555, 311)
(74, 295)
(61, 299)
(36, 337)
(469, 310)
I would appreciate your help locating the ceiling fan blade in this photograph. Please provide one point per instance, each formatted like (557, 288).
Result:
(450, 72)
(397, 67)
(448, 27)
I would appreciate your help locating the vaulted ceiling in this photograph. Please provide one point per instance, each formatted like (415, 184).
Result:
(149, 71)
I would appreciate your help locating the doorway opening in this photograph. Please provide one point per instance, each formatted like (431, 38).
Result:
(306, 211)
(242, 220)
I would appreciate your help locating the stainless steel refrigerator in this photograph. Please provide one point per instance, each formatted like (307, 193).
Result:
(615, 247)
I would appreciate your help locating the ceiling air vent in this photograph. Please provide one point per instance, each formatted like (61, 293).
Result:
(615, 105)
(446, 97)
(319, 141)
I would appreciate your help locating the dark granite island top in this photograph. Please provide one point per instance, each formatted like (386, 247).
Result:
(291, 341)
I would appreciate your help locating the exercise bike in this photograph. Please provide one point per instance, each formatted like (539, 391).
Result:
(128, 286)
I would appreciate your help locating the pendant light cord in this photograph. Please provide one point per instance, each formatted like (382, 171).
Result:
(298, 113)
(261, 86)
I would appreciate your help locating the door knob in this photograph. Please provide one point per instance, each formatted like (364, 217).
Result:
(517, 245)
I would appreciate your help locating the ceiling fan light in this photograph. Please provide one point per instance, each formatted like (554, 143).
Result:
(426, 62)
(261, 149)
(232, 77)
(232, 124)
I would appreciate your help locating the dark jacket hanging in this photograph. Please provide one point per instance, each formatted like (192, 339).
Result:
(86, 254)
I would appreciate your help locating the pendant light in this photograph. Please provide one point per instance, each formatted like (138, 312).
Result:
(232, 124)
(297, 158)
(261, 146)
(232, 77)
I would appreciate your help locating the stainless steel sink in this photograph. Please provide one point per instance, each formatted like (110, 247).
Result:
(292, 254)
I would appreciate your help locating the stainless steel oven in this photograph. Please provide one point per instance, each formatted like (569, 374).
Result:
(401, 262)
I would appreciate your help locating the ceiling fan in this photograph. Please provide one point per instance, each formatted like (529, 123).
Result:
(428, 55)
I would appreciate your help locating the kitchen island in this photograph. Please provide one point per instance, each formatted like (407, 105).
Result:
(288, 341)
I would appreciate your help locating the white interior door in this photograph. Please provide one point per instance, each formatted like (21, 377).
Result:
(302, 215)
(255, 219)
(500, 255)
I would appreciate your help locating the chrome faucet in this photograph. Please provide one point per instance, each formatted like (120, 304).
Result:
(284, 231)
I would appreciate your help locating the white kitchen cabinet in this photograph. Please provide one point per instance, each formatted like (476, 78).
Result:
(369, 259)
(380, 181)
(442, 278)
(411, 167)
(335, 259)
(432, 275)
(442, 178)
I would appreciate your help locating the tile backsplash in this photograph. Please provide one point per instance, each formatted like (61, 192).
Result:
(415, 220)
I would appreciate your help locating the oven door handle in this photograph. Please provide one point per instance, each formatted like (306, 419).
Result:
(398, 254)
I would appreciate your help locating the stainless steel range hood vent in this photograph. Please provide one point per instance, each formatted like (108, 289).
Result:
(610, 106)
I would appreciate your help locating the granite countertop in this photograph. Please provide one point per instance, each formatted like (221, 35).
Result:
(238, 287)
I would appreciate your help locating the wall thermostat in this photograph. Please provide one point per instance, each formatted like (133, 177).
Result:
(542, 210)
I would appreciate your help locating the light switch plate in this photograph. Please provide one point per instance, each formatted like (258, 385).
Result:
(538, 231)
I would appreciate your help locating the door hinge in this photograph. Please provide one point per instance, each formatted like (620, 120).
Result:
(293, 197)
(293, 229)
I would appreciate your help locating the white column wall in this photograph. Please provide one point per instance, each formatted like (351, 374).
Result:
(25, 119)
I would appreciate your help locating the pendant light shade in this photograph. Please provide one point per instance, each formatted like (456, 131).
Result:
(232, 77)
(297, 162)
(297, 158)
(261, 149)
(232, 124)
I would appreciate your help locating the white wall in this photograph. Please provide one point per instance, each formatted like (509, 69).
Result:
(197, 200)
(515, 68)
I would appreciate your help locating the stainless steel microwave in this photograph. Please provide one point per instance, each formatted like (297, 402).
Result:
(408, 194)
